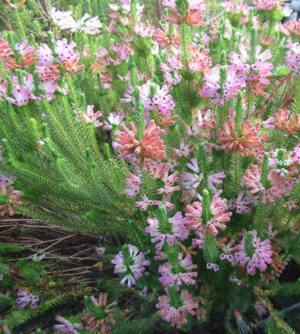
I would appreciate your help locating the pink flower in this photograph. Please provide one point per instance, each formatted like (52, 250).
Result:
(21, 93)
(192, 180)
(200, 61)
(241, 204)
(122, 53)
(255, 74)
(25, 298)
(131, 264)
(65, 326)
(180, 272)
(66, 51)
(5, 50)
(276, 190)
(166, 231)
(220, 92)
(253, 253)
(267, 4)
(133, 185)
(160, 99)
(203, 125)
(144, 30)
(176, 312)
(169, 184)
(91, 116)
(151, 146)
(292, 58)
(215, 179)
(219, 212)
(239, 11)
(296, 154)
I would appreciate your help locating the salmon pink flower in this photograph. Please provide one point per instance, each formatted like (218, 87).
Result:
(248, 142)
(151, 146)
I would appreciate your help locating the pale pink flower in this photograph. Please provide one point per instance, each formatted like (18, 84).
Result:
(267, 4)
(91, 116)
(131, 264)
(144, 30)
(21, 92)
(258, 256)
(44, 55)
(240, 11)
(220, 92)
(241, 204)
(256, 75)
(65, 326)
(133, 183)
(168, 232)
(292, 58)
(296, 154)
(203, 125)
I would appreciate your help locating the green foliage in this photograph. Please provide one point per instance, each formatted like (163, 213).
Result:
(19, 319)
(136, 326)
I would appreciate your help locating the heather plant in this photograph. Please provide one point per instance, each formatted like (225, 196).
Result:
(178, 142)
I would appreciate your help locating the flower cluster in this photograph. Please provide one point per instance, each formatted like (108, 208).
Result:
(182, 137)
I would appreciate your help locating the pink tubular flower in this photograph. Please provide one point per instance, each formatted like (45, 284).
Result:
(253, 253)
(181, 272)
(25, 298)
(200, 61)
(131, 264)
(175, 312)
(168, 232)
(292, 58)
(91, 116)
(220, 92)
(241, 204)
(267, 4)
(239, 11)
(277, 189)
(203, 125)
(219, 212)
(133, 183)
(192, 180)
(248, 142)
(155, 97)
(151, 146)
(284, 120)
(144, 30)
(122, 53)
(256, 75)
(21, 92)
(65, 326)
(296, 154)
